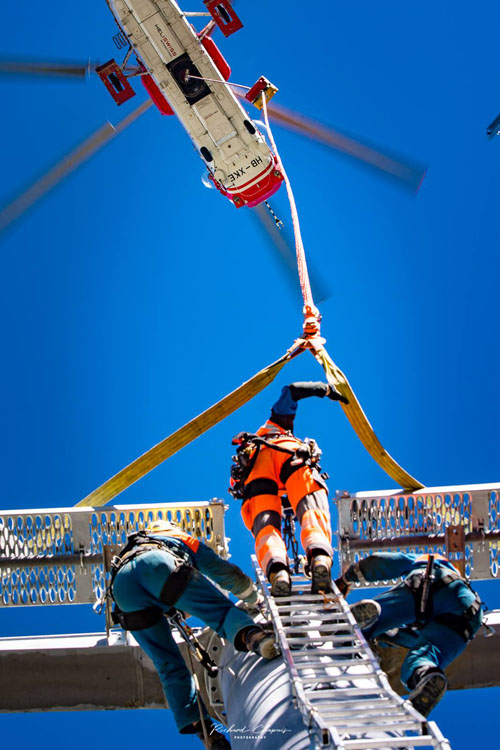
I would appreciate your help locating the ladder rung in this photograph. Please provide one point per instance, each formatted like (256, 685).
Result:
(405, 723)
(366, 722)
(334, 678)
(353, 719)
(318, 613)
(327, 639)
(391, 742)
(343, 707)
(309, 608)
(325, 628)
(299, 600)
(354, 707)
(359, 692)
(342, 650)
(341, 664)
(306, 620)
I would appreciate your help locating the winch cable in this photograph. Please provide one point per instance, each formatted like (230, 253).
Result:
(334, 374)
(189, 432)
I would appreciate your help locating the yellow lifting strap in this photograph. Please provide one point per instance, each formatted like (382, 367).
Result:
(189, 432)
(359, 420)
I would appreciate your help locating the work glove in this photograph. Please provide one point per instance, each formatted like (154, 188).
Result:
(342, 586)
(333, 394)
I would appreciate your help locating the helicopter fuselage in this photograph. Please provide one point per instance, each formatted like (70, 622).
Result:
(239, 161)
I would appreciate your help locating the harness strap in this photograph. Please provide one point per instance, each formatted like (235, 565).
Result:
(243, 463)
(356, 569)
(271, 444)
(290, 466)
(174, 586)
(138, 620)
(445, 580)
(125, 557)
(414, 580)
(172, 589)
(260, 486)
(176, 583)
(461, 624)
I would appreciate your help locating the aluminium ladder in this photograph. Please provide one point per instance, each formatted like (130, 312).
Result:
(344, 697)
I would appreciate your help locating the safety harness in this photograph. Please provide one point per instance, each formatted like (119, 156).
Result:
(424, 586)
(138, 544)
(249, 446)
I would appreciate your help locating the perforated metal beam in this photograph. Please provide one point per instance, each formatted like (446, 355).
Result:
(54, 555)
(418, 521)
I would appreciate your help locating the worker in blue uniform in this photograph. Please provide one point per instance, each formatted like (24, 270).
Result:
(165, 567)
(433, 612)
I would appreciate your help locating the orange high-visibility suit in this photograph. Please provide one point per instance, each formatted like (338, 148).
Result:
(279, 470)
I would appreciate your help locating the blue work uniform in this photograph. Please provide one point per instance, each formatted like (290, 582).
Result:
(138, 585)
(432, 643)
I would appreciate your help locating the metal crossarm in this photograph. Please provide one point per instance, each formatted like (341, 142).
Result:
(460, 522)
(55, 555)
(342, 694)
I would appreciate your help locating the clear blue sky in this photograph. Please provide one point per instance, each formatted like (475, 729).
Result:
(132, 298)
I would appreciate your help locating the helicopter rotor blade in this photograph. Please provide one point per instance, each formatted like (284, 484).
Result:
(284, 245)
(405, 172)
(44, 69)
(16, 208)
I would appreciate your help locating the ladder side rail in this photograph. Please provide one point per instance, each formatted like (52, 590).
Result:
(309, 713)
(326, 709)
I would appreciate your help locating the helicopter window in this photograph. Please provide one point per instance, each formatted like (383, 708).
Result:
(223, 13)
(115, 82)
(206, 153)
(249, 127)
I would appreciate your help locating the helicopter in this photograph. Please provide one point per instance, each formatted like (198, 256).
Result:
(182, 70)
(185, 74)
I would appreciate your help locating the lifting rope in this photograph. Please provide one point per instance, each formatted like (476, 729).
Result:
(311, 340)
(305, 285)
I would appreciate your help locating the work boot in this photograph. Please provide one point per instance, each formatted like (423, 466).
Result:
(428, 685)
(215, 740)
(366, 612)
(281, 583)
(262, 643)
(321, 566)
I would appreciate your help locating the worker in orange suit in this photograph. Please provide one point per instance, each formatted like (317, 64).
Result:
(271, 464)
